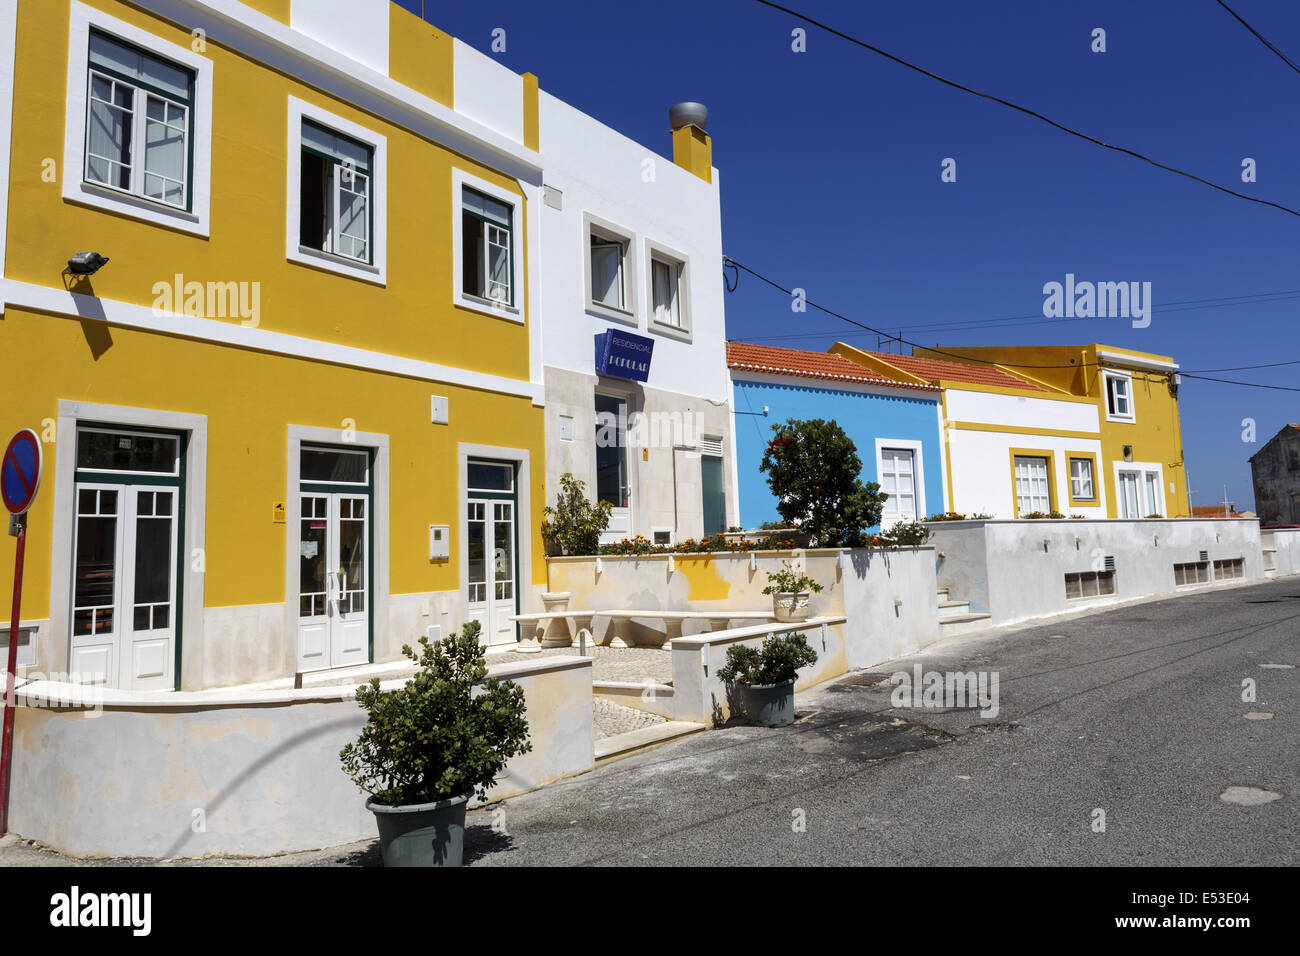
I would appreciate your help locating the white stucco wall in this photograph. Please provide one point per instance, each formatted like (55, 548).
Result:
(1285, 544)
(982, 481)
(242, 773)
(1015, 570)
(602, 173)
(488, 92)
(357, 28)
(980, 460)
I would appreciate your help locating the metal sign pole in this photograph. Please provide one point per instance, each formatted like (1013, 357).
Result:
(11, 675)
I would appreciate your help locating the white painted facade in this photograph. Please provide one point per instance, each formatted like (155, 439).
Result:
(980, 459)
(597, 181)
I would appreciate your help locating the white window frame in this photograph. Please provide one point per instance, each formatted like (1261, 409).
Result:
(1127, 378)
(1047, 484)
(465, 300)
(374, 271)
(918, 469)
(1093, 498)
(608, 230)
(1143, 469)
(82, 19)
(656, 251)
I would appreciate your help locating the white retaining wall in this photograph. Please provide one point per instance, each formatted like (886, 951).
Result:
(1015, 570)
(238, 772)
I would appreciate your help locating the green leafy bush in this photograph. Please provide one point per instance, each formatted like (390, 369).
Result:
(946, 516)
(438, 737)
(906, 533)
(1041, 514)
(574, 525)
(788, 581)
(776, 661)
(812, 468)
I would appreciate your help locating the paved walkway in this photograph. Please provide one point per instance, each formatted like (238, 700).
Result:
(633, 664)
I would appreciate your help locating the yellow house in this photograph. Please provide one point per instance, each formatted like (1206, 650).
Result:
(1140, 469)
(295, 421)
(1090, 431)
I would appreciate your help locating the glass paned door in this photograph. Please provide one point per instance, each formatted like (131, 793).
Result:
(124, 586)
(898, 480)
(1032, 490)
(334, 577)
(612, 482)
(491, 565)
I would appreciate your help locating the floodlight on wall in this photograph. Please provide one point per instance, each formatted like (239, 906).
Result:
(86, 263)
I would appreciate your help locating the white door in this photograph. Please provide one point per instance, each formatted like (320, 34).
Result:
(333, 594)
(612, 480)
(124, 586)
(1128, 495)
(1033, 493)
(898, 480)
(491, 547)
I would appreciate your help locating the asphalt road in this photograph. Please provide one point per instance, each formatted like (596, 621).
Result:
(1137, 712)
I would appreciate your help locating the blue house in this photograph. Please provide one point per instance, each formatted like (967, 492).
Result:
(894, 424)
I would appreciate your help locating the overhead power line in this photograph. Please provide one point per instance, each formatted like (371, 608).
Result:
(1015, 321)
(1025, 110)
(1260, 37)
(967, 359)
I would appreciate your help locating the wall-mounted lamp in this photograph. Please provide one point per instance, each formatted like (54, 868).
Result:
(86, 263)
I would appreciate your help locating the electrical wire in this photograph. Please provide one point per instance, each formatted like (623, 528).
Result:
(1260, 37)
(1025, 110)
(972, 360)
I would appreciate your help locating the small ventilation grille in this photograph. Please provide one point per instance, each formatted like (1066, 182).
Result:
(1205, 555)
(709, 445)
(1110, 562)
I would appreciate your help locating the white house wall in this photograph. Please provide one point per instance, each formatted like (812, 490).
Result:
(981, 471)
(604, 174)
(488, 92)
(1019, 411)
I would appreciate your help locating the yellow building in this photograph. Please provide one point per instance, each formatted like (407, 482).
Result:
(296, 420)
(1140, 469)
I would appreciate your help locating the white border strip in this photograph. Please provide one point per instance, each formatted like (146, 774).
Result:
(277, 45)
(8, 43)
(129, 315)
(1119, 358)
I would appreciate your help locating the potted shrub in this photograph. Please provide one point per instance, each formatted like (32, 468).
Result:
(791, 592)
(430, 746)
(764, 677)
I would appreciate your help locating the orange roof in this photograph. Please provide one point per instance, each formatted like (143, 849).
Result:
(936, 370)
(822, 365)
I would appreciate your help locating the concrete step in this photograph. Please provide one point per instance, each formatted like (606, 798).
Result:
(963, 623)
(943, 594)
(624, 745)
(953, 608)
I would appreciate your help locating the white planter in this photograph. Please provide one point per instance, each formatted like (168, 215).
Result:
(788, 606)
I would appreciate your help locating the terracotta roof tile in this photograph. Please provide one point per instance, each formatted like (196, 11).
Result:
(936, 370)
(821, 365)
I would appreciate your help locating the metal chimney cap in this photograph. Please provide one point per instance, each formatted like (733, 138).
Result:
(689, 114)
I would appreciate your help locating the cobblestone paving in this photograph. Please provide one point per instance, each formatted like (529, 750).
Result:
(633, 664)
(610, 719)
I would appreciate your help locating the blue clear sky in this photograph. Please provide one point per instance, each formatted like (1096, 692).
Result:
(830, 165)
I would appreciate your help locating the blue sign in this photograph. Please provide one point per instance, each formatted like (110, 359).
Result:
(20, 475)
(623, 354)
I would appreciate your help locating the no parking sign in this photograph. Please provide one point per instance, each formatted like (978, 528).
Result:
(21, 474)
(20, 477)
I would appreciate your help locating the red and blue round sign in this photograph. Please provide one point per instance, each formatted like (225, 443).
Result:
(21, 472)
